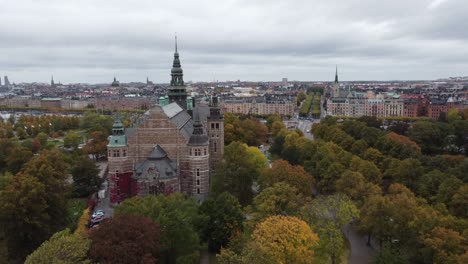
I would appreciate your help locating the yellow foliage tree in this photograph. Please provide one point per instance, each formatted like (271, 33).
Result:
(285, 239)
(82, 227)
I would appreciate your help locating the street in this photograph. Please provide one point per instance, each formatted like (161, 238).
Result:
(306, 125)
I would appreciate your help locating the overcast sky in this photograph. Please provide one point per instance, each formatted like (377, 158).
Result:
(93, 40)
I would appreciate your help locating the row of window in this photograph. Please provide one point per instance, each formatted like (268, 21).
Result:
(115, 153)
(214, 125)
(198, 151)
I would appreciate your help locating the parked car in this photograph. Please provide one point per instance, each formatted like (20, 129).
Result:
(98, 213)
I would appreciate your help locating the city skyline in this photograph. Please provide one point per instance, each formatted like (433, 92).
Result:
(263, 41)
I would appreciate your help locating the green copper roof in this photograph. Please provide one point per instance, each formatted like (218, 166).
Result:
(117, 141)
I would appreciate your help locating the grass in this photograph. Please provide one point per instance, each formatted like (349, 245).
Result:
(75, 210)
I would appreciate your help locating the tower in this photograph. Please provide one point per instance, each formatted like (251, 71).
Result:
(177, 92)
(52, 81)
(199, 159)
(115, 83)
(121, 169)
(215, 129)
(7, 82)
(336, 84)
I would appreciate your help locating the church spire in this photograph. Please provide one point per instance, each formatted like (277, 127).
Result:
(336, 74)
(176, 43)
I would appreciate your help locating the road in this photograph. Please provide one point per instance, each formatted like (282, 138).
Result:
(104, 203)
(306, 125)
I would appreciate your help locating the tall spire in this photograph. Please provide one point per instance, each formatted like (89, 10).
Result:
(336, 74)
(177, 92)
(176, 72)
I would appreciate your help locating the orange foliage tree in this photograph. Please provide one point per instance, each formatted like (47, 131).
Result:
(285, 239)
(282, 171)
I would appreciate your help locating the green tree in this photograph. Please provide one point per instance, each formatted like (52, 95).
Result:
(327, 215)
(63, 247)
(125, 239)
(72, 140)
(85, 177)
(259, 160)
(17, 158)
(235, 173)
(222, 218)
(24, 211)
(177, 217)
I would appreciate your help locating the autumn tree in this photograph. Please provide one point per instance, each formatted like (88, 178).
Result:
(282, 171)
(355, 186)
(285, 239)
(63, 247)
(235, 173)
(96, 145)
(125, 239)
(279, 199)
(448, 246)
(50, 168)
(222, 217)
(177, 217)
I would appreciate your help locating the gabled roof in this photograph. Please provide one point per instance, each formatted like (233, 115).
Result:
(172, 109)
(157, 153)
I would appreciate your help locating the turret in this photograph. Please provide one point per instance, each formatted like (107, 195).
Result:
(215, 129)
(199, 159)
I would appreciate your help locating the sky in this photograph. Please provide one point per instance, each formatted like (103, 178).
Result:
(252, 40)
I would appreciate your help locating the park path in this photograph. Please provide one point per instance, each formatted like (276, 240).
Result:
(360, 253)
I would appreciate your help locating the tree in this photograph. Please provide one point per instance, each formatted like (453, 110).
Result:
(17, 158)
(24, 211)
(428, 136)
(355, 186)
(72, 140)
(85, 177)
(328, 214)
(222, 218)
(286, 239)
(459, 203)
(177, 217)
(258, 159)
(282, 171)
(125, 239)
(235, 173)
(63, 247)
(50, 169)
(96, 145)
(279, 199)
(447, 245)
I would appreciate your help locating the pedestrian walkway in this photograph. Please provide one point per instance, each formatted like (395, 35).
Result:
(360, 253)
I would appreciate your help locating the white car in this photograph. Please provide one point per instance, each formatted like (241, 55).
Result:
(97, 213)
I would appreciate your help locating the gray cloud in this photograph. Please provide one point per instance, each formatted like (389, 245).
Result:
(91, 41)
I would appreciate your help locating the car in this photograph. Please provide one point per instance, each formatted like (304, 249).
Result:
(98, 213)
(308, 131)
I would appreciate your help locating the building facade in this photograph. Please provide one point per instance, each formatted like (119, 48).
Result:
(173, 147)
